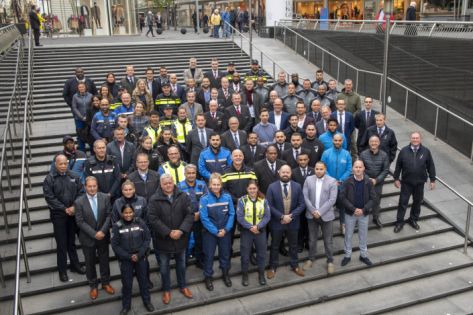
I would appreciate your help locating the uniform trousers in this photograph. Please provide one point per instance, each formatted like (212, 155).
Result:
(210, 243)
(247, 240)
(141, 269)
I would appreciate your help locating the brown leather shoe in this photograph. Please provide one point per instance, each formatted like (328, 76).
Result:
(93, 293)
(108, 288)
(186, 292)
(298, 271)
(270, 273)
(166, 297)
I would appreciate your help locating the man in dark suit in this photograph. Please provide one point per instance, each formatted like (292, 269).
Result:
(198, 138)
(364, 119)
(153, 85)
(35, 24)
(214, 119)
(286, 202)
(290, 155)
(129, 81)
(385, 134)
(304, 119)
(93, 219)
(225, 93)
(125, 156)
(346, 123)
(70, 87)
(280, 143)
(277, 116)
(252, 151)
(250, 98)
(214, 75)
(146, 180)
(177, 89)
(293, 127)
(233, 138)
(315, 112)
(163, 77)
(267, 169)
(241, 112)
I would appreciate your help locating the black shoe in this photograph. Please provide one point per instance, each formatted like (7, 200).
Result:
(378, 222)
(78, 269)
(398, 228)
(149, 307)
(261, 278)
(209, 284)
(226, 279)
(124, 311)
(63, 277)
(366, 261)
(244, 279)
(414, 224)
(150, 284)
(345, 261)
(253, 260)
(283, 251)
(38, 45)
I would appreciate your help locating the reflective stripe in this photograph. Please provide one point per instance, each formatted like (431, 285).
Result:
(182, 130)
(225, 203)
(248, 210)
(153, 133)
(175, 172)
(238, 175)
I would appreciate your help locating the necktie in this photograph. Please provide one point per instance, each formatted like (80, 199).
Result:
(225, 92)
(237, 110)
(237, 142)
(94, 207)
(304, 173)
(131, 80)
(367, 117)
(213, 115)
(174, 89)
(380, 131)
(272, 168)
(215, 74)
(202, 138)
(285, 190)
(342, 127)
(280, 147)
(253, 150)
(296, 154)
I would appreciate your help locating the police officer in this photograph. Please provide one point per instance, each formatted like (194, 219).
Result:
(217, 215)
(103, 122)
(60, 188)
(253, 214)
(129, 197)
(105, 168)
(195, 189)
(153, 130)
(130, 242)
(175, 166)
(166, 98)
(255, 72)
(180, 129)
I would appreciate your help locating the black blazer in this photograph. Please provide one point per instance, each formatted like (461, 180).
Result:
(308, 119)
(288, 156)
(347, 195)
(228, 141)
(127, 85)
(217, 124)
(298, 177)
(286, 146)
(86, 222)
(264, 174)
(34, 20)
(225, 101)
(244, 118)
(128, 163)
(214, 81)
(388, 141)
(361, 124)
(251, 159)
(257, 102)
(156, 88)
(320, 127)
(193, 144)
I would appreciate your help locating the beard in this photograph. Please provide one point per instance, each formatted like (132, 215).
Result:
(285, 179)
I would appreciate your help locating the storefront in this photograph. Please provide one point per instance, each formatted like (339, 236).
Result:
(94, 17)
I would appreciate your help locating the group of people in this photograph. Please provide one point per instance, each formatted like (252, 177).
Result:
(186, 167)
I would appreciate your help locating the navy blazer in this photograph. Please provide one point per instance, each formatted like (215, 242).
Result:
(349, 125)
(275, 201)
(284, 119)
(180, 92)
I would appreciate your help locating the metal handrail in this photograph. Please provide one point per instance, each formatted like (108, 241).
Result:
(21, 247)
(376, 21)
(262, 54)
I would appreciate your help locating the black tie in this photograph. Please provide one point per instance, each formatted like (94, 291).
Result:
(304, 173)
(253, 149)
(272, 168)
(380, 131)
(367, 117)
(285, 190)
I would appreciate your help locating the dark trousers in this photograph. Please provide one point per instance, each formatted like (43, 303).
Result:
(247, 240)
(127, 267)
(276, 236)
(150, 30)
(90, 253)
(417, 192)
(378, 188)
(36, 36)
(211, 242)
(303, 235)
(327, 232)
(65, 229)
(165, 269)
(198, 254)
(341, 208)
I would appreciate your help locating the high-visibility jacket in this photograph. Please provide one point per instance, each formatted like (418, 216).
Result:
(164, 100)
(153, 133)
(177, 173)
(254, 211)
(254, 75)
(181, 130)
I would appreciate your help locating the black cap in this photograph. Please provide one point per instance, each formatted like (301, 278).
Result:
(168, 106)
(231, 63)
(294, 75)
(254, 62)
(121, 88)
(67, 138)
(166, 84)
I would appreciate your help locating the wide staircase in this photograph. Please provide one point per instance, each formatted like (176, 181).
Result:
(413, 270)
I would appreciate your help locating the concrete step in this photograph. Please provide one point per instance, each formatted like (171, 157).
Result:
(387, 260)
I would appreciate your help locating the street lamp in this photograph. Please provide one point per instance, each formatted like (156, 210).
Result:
(387, 14)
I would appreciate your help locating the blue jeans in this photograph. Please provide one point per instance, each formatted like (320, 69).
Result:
(226, 30)
(210, 243)
(350, 222)
(216, 29)
(165, 270)
(80, 126)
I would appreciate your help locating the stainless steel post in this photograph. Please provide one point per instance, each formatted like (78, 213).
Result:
(387, 11)
(405, 105)
(467, 229)
(250, 16)
(436, 123)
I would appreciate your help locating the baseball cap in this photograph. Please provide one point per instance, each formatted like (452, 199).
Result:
(67, 138)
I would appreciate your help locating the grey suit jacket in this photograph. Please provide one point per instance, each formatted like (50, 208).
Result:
(86, 222)
(197, 110)
(328, 197)
(198, 75)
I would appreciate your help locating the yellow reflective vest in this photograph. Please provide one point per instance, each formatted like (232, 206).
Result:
(153, 133)
(176, 173)
(181, 130)
(254, 211)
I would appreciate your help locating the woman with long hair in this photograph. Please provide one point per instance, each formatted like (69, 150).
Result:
(141, 94)
(154, 156)
(104, 92)
(112, 84)
(166, 140)
(138, 121)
